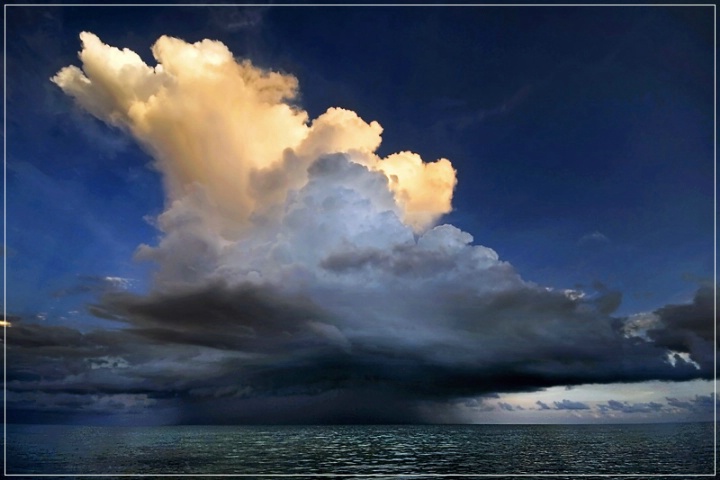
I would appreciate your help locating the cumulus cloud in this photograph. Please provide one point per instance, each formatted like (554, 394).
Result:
(228, 127)
(697, 408)
(698, 404)
(301, 277)
(626, 407)
(509, 407)
(570, 405)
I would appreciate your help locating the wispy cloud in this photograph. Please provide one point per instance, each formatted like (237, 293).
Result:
(594, 237)
(465, 119)
(234, 18)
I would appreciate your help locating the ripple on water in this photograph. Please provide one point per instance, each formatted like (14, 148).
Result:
(392, 450)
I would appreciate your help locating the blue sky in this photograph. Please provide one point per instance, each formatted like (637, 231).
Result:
(581, 137)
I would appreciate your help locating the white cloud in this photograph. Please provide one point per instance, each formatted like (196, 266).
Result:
(674, 357)
(638, 324)
(225, 125)
(594, 237)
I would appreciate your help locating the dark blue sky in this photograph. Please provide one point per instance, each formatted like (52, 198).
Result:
(582, 137)
(561, 122)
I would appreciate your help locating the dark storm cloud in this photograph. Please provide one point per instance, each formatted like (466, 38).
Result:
(62, 372)
(608, 302)
(688, 328)
(246, 318)
(235, 348)
(480, 403)
(542, 405)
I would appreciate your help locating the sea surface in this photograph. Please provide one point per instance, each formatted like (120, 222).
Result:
(354, 451)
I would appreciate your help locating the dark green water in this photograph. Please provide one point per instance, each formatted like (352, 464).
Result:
(685, 449)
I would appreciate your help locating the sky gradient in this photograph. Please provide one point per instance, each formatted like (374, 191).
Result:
(352, 215)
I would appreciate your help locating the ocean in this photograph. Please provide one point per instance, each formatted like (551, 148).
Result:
(349, 450)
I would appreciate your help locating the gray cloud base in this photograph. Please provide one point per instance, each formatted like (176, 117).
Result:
(250, 353)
